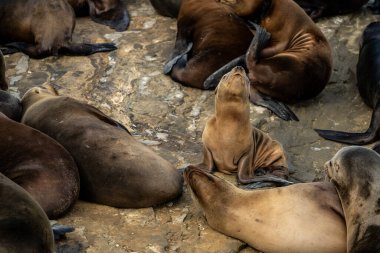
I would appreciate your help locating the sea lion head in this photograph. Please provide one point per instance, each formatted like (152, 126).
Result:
(234, 86)
(37, 93)
(112, 13)
(372, 31)
(352, 169)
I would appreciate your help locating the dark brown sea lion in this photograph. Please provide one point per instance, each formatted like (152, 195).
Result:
(322, 8)
(40, 28)
(289, 62)
(112, 13)
(169, 8)
(3, 79)
(115, 169)
(209, 35)
(368, 83)
(231, 144)
(301, 218)
(355, 172)
(40, 165)
(24, 227)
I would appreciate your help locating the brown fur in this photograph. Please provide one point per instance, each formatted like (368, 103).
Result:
(115, 169)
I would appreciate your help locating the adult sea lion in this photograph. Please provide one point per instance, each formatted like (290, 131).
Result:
(40, 165)
(355, 172)
(289, 62)
(231, 144)
(3, 79)
(209, 35)
(301, 218)
(115, 169)
(24, 227)
(40, 28)
(112, 13)
(368, 83)
(169, 8)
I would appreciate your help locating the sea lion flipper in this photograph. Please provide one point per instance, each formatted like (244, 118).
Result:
(31, 50)
(263, 181)
(180, 53)
(86, 49)
(277, 107)
(213, 80)
(208, 161)
(259, 41)
(60, 231)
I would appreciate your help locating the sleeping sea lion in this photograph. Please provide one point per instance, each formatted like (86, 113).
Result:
(368, 83)
(355, 172)
(40, 28)
(115, 169)
(301, 218)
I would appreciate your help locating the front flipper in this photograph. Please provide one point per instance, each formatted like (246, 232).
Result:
(277, 107)
(213, 80)
(86, 49)
(31, 50)
(180, 53)
(259, 41)
(60, 231)
(208, 161)
(266, 181)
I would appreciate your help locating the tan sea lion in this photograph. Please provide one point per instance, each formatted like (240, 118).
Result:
(209, 35)
(230, 143)
(289, 62)
(40, 165)
(24, 227)
(115, 169)
(40, 28)
(301, 218)
(3, 79)
(355, 172)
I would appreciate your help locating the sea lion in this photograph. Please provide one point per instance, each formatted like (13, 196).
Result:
(40, 28)
(3, 79)
(209, 35)
(169, 8)
(24, 227)
(289, 62)
(115, 169)
(40, 165)
(301, 218)
(368, 83)
(10, 105)
(355, 172)
(231, 144)
(322, 8)
(112, 13)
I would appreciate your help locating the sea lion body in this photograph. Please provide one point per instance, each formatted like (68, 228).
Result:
(115, 169)
(169, 8)
(230, 142)
(24, 227)
(209, 35)
(40, 28)
(368, 83)
(40, 165)
(301, 218)
(355, 172)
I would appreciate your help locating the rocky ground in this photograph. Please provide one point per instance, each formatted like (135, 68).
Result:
(128, 84)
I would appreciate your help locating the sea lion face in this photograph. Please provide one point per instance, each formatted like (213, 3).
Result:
(234, 86)
(37, 93)
(110, 12)
(372, 31)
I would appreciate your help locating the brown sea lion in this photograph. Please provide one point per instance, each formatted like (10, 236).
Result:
(112, 13)
(301, 218)
(40, 165)
(355, 172)
(169, 8)
(24, 227)
(322, 8)
(368, 83)
(3, 79)
(209, 35)
(289, 62)
(230, 143)
(115, 169)
(40, 28)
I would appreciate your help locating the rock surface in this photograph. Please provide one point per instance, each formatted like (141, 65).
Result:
(128, 85)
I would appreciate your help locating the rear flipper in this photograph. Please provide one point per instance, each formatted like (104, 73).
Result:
(213, 80)
(259, 41)
(266, 181)
(176, 57)
(277, 107)
(86, 49)
(60, 231)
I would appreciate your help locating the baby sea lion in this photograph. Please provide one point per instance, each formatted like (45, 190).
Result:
(301, 218)
(3, 79)
(112, 13)
(355, 172)
(40, 165)
(24, 226)
(368, 83)
(231, 144)
(115, 169)
(209, 35)
(289, 62)
(169, 8)
(40, 28)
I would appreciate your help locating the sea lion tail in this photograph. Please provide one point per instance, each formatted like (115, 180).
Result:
(259, 41)
(86, 49)
(213, 80)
